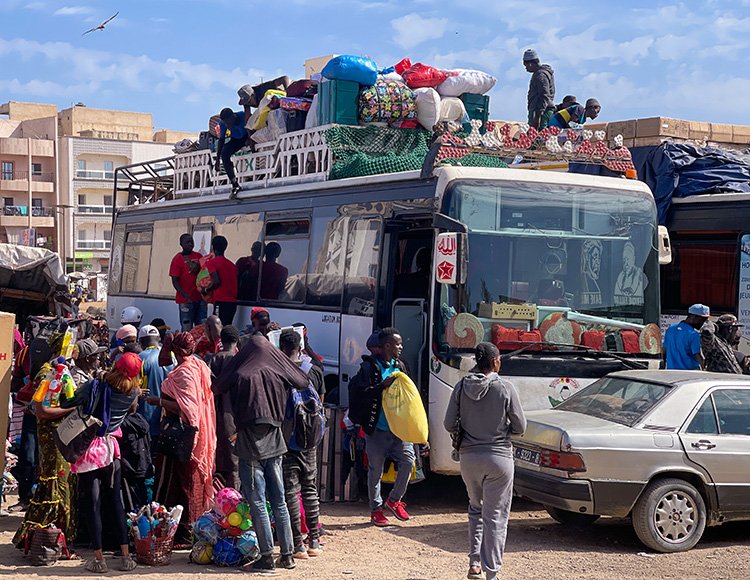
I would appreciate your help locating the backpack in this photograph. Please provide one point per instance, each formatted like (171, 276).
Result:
(304, 420)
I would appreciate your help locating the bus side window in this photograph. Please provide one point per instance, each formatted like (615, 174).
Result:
(165, 244)
(283, 271)
(136, 260)
(325, 276)
(362, 252)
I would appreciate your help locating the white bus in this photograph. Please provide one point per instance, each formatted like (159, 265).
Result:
(559, 253)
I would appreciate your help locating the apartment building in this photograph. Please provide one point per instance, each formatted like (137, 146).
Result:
(57, 175)
(28, 134)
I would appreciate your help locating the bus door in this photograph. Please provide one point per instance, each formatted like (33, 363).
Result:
(405, 290)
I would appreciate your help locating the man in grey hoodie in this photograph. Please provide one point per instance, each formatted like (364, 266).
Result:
(541, 96)
(488, 410)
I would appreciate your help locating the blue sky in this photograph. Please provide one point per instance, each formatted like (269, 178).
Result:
(184, 60)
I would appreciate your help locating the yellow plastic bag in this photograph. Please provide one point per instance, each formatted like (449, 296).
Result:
(404, 410)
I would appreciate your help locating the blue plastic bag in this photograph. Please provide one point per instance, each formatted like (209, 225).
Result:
(359, 69)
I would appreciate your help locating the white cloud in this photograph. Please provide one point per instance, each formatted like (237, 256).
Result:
(412, 30)
(73, 10)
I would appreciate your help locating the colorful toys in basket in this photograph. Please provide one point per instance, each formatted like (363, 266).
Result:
(153, 529)
(223, 535)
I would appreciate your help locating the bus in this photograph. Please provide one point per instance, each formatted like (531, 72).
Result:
(710, 236)
(543, 263)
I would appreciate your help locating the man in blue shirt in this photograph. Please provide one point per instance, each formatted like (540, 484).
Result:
(232, 126)
(575, 113)
(366, 409)
(153, 375)
(682, 341)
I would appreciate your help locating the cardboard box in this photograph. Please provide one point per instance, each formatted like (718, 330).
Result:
(722, 133)
(625, 128)
(597, 126)
(662, 127)
(7, 322)
(741, 134)
(650, 141)
(699, 130)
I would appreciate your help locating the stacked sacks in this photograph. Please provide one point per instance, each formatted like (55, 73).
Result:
(224, 535)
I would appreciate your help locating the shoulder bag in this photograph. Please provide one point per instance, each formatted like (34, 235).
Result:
(457, 433)
(176, 439)
(77, 430)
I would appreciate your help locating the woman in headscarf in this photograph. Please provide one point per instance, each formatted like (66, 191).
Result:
(99, 469)
(186, 392)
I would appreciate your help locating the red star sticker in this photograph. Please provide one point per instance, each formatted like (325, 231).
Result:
(445, 270)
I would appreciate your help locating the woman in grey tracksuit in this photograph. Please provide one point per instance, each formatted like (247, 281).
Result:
(489, 412)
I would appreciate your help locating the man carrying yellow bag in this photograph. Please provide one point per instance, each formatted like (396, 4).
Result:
(366, 395)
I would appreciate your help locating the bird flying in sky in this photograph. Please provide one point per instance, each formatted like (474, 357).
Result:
(102, 25)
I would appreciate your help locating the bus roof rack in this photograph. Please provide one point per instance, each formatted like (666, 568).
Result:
(146, 182)
(307, 156)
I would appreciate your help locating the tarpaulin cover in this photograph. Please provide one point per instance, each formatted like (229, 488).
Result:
(30, 269)
(682, 170)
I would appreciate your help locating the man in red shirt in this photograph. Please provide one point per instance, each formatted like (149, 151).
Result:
(183, 271)
(223, 284)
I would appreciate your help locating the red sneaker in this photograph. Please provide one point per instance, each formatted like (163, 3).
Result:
(399, 510)
(378, 518)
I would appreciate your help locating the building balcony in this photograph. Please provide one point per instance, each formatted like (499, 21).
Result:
(18, 181)
(93, 245)
(18, 216)
(95, 209)
(94, 174)
(18, 146)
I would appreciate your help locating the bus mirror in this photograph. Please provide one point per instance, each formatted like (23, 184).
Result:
(665, 248)
(450, 258)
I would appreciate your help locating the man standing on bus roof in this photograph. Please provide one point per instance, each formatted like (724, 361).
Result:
(232, 125)
(184, 270)
(366, 409)
(682, 341)
(223, 286)
(541, 95)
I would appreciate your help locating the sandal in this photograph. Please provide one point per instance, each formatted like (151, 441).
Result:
(475, 573)
(127, 564)
(97, 566)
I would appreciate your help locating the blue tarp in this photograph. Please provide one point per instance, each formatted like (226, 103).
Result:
(682, 170)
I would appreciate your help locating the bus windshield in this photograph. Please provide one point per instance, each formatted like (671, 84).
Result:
(559, 247)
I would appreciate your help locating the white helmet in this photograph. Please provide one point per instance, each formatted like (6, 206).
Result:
(131, 315)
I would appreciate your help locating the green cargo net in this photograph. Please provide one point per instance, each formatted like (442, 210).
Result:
(374, 150)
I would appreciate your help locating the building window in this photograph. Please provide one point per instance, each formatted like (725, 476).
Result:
(83, 234)
(81, 165)
(37, 202)
(107, 234)
(7, 170)
(109, 170)
(108, 200)
(81, 199)
(8, 201)
(36, 169)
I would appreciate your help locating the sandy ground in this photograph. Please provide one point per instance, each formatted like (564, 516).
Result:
(434, 543)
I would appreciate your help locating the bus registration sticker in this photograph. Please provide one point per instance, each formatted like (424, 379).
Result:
(447, 258)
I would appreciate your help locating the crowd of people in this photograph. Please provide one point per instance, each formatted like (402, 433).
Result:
(701, 343)
(542, 110)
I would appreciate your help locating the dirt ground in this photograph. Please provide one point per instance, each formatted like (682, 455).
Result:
(433, 546)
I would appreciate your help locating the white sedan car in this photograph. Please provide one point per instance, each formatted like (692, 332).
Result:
(670, 449)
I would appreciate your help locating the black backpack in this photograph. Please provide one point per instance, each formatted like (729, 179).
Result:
(304, 421)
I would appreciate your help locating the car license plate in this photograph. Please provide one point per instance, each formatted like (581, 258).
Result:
(527, 455)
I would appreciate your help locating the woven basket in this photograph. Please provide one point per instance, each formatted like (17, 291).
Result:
(152, 551)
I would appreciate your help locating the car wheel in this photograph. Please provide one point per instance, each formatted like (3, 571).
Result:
(670, 516)
(568, 518)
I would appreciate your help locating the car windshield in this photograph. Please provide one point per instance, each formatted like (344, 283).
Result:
(619, 400)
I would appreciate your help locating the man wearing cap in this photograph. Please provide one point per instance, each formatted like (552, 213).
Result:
(85, 360)
(718, 340)
(541, 95)
(575, 113)
(153, 376)
(261, 321)
(682, 341)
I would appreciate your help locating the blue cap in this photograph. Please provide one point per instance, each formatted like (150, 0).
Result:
(700, 310)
